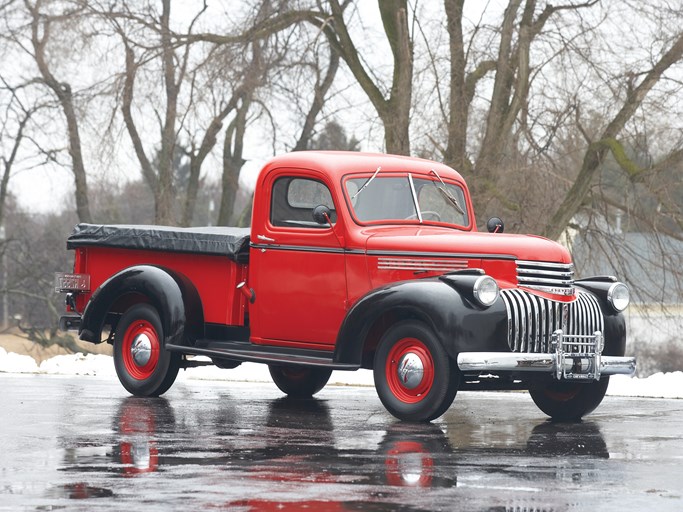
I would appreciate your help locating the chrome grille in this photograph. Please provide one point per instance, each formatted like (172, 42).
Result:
(556, 278)
(532, 319)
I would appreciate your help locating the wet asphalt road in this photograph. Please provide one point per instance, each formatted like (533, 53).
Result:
(81, 443)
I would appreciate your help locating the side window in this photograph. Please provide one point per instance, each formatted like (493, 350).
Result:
(294, 199)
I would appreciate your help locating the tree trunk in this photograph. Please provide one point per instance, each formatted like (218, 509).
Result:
(456, 150)
(164, 203)
(197, 160)
(233, 147)
(396, 133)
(395, 111)
(396, 115)
(495, 140)
(64, 94)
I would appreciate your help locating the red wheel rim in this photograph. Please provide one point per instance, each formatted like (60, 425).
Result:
(397, 385)
(409, 464)
(139, 453)
(562, 396)
(140, 330)
(296, 374)
(140, 457)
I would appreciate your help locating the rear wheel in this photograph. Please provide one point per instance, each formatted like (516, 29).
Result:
(143, 365)
(568, 401)
(299, 381)
(415, 378)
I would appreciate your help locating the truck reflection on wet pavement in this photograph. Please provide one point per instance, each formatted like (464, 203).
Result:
(80, 443)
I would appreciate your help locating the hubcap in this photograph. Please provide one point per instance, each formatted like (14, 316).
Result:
(141, 349)
(410, 370)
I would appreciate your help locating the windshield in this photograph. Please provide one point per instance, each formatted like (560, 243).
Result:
(392, 198)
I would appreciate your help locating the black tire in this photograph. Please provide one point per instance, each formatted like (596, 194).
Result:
(154, 376)
(569, 401)
(432, 392)
(299, 381)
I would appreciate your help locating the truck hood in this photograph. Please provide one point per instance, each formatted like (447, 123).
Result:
(465, 244)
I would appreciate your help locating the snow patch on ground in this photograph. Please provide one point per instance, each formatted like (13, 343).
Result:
(660, 385)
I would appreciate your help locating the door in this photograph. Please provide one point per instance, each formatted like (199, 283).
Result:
(297, 266)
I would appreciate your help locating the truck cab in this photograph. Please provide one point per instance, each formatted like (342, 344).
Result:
(354, 260)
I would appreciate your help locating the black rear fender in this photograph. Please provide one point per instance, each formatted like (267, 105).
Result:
(172, 294)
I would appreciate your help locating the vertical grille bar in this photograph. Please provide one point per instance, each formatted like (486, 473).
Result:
(533, 319)
(516, 317)
(537, 322)
(528, 325)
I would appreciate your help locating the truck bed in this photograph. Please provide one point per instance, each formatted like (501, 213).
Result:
(216, 241)
(214, 259)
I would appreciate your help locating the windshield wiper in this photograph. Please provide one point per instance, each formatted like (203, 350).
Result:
(366, 183)
(447, 195)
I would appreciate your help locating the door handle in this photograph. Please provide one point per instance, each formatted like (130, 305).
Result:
(265, 238)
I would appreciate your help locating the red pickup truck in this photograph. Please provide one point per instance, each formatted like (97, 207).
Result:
(353, 261)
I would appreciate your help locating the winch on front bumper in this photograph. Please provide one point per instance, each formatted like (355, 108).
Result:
(573, 357)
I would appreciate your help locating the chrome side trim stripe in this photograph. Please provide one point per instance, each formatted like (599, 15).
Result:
(417, 254)
(307, 248)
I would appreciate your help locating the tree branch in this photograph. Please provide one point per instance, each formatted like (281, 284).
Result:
(595, 153)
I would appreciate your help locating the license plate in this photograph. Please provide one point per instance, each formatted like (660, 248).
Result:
(72, 282)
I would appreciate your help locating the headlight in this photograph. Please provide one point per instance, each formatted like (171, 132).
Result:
(618, 296)
(485, 290)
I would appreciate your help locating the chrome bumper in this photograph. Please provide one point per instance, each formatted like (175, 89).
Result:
(574, 358)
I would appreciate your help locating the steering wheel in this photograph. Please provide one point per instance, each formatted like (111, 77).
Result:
(436, 215)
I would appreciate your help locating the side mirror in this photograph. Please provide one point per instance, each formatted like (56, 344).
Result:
(495, 225)
(321, 213)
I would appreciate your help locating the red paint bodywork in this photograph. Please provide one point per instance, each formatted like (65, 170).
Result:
(306, 280)
(215, 277)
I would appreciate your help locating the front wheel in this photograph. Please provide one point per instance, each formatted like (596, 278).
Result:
(299, 381)
(568, 401)
(415, 378)
(143, 365)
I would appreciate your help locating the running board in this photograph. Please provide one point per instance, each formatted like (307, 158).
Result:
(247, 352)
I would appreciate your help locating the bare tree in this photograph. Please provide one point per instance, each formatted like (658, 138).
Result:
(243, 77)
(41, 25)
(175, 61)
(320, 90)
(15, 117)
(597, 150)
(233, 148)
(393, 107)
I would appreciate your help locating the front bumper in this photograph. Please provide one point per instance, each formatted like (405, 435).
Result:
(573, 358)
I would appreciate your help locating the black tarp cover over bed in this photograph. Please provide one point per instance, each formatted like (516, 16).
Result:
(221, 241)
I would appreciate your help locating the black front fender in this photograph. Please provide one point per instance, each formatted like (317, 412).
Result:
(459, 324)
(172, 294)
(615, 324)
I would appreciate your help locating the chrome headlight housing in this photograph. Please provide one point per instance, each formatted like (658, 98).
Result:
(485, 291)
(618, 296)
(478, 289)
